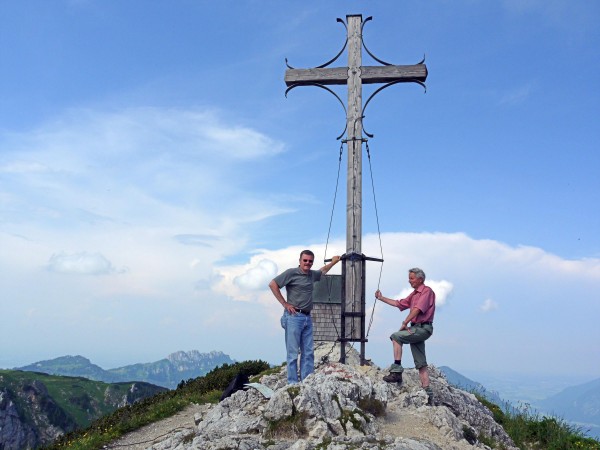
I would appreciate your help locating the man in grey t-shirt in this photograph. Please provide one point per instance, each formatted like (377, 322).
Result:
(296, 320)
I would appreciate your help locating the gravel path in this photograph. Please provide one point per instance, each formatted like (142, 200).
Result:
(144, 437)
(400, 422)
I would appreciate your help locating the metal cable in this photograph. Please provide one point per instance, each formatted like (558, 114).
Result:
(337, 183)
(378, 233)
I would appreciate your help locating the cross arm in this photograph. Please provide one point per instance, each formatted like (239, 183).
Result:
(336, 75)
(369, 75)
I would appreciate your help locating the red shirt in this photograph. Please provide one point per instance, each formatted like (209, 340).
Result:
(423, 298)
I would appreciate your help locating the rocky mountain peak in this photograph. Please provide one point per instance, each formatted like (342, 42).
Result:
(193, 356)
(342, 406)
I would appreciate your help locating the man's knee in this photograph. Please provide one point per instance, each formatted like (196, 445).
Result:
(400, 337)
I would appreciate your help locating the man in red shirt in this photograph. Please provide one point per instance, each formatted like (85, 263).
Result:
(421, 303)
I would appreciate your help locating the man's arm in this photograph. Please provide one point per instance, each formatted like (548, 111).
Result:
(333, 262)
(414, 312)
(389, 301)
(279, 296)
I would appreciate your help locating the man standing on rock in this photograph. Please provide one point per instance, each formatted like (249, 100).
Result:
(296, 320)
(421, 303)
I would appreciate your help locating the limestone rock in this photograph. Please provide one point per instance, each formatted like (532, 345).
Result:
(343, 406)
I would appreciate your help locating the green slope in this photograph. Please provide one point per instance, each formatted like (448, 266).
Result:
(47, 403)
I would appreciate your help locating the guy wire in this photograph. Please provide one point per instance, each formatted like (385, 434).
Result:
(337, 183)
(337, 332)
(378, 233)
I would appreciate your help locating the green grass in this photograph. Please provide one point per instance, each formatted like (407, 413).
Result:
(532, 431)
(206, 389)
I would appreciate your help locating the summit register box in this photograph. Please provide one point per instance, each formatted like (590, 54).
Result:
(326, 312)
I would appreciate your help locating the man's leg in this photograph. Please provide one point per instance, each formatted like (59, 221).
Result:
(307, 356)
(293, 331)
(424, 376)
(397, 351)
(420, 358)
(396, 369)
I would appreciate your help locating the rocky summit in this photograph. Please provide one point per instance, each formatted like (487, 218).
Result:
(341, 406)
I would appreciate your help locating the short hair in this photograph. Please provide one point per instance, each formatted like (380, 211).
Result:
(307, 252)
(418, 273)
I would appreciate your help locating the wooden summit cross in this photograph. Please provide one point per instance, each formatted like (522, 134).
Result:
(352, 321)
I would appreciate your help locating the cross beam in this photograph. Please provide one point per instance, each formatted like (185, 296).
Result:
(355, 75)
(368, 75)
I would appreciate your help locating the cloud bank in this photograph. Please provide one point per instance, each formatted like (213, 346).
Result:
(469, 276)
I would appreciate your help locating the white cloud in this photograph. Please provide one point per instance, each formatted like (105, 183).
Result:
(242, 143)
(136, 176)
(133, 162)
(257, 277)
(488, 305)
(442, 289)
(80, 263)
(531, 281)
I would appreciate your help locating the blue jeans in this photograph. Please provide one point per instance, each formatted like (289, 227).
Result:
(298, 340)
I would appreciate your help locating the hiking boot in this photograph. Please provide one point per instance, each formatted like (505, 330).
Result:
(393, 377)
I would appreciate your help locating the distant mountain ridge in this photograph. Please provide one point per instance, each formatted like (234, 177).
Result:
(167, 372)
(579, 404)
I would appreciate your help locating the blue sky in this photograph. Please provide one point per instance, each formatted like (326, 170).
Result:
(154, 178)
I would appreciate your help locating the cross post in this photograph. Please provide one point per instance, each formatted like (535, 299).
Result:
(354, 76)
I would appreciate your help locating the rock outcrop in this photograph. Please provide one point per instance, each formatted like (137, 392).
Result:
(14, 433)
(343, 406)
(36, 408)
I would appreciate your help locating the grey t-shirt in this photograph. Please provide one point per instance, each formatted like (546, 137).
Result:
(298, 286)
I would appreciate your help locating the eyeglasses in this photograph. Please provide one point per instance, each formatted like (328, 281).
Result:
(310, 261)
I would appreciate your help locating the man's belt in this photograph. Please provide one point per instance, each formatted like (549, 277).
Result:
(303, 311)
(420, 324)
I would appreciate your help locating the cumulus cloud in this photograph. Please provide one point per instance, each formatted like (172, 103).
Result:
(488, 305)
(82, 263)
(257, 277)
(442, 289)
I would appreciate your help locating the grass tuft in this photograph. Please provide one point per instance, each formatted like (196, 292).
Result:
(532, 431)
